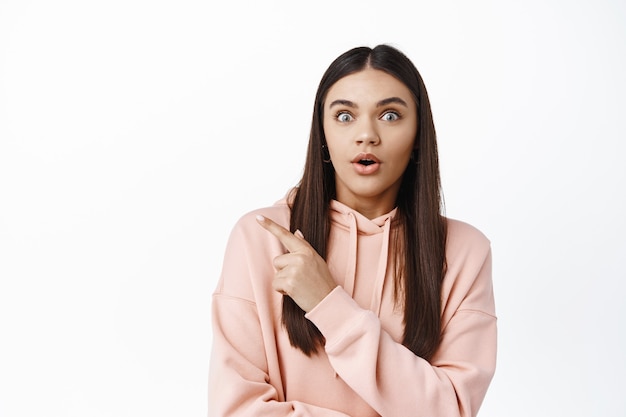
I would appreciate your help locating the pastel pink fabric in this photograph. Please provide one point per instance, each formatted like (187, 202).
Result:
(364, 370)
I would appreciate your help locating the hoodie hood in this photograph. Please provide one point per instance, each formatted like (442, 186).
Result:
(359, 229)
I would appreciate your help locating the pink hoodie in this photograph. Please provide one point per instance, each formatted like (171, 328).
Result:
(364, 369)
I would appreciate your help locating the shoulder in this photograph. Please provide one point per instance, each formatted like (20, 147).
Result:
(279, 212)
(468, 257)
(249, 253)
(467, 284)
(247, 234)
(463, 238)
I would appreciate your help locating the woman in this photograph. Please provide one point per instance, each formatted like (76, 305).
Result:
(354, 296)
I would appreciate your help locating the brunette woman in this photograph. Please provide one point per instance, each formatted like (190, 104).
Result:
(354, 295)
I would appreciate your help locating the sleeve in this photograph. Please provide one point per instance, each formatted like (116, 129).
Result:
(240, 381)
(396, 382)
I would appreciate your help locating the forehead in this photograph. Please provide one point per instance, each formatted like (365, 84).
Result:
(368, 85)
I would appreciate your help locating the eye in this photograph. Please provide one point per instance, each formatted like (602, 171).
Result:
(390, 116)
(344, 117)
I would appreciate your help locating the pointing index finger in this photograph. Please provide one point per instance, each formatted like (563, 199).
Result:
(288, 239)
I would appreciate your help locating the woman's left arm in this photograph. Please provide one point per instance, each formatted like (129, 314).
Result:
(387, 375)
(396, 382)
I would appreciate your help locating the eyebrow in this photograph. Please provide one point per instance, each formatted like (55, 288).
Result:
(381, 103)
(341, 102)
(390, 100)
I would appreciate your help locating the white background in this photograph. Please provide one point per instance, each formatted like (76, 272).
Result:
(133, 134)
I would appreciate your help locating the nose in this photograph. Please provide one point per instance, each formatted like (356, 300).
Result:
(368, 134)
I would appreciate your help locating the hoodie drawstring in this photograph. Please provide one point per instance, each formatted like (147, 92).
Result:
(379, 278)
(377, 294)
(348, 285)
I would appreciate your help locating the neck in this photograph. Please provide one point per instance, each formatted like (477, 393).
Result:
(374, 205)
(370, 208)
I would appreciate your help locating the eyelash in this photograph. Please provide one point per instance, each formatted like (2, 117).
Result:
(339, 113)
(394, 112)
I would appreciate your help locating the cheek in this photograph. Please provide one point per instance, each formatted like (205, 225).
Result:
(405, 144)
(403, 159)
(332, 140)
(328, 132)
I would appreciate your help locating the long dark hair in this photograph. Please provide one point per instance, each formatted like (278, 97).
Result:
(420, 236)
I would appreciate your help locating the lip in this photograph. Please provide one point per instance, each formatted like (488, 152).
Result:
(365, 169)
(363, 155)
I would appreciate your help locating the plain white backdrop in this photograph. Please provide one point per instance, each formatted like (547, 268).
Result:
(134, 133)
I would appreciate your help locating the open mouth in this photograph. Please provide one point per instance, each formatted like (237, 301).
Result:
(366, 162)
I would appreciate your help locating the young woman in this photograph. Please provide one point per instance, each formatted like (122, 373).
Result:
(354, 295)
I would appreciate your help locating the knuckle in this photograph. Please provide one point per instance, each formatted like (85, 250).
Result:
(289, 284)
(276, 262)
(299, 259)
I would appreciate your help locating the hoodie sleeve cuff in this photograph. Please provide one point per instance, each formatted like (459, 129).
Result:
(336, 315)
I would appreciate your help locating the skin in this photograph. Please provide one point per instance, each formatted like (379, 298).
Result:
(368, 113)
(300, 273)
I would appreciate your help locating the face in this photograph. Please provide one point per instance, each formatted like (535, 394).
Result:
(370, 124)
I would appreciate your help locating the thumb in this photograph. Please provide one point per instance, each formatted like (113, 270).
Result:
(299, 234)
